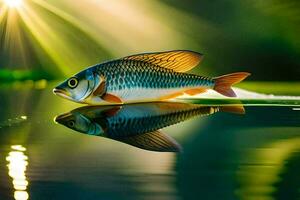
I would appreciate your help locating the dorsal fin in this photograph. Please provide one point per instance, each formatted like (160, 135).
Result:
(153, 141)
(177, 60)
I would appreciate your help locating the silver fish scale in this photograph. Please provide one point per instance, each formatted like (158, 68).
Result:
(126, 74)
(123, 126)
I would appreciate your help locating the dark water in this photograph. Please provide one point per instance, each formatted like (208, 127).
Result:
(224, 155)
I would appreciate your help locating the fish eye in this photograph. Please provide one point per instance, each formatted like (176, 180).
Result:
(73, 82)
(71, 123)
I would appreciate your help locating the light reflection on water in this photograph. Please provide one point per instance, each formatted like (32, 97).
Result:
(17, 164)
(264, 179)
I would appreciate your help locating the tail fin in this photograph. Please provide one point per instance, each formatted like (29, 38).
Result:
(223, 83)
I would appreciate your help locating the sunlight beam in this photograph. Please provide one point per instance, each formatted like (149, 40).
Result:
(46, 37)
(13, 3)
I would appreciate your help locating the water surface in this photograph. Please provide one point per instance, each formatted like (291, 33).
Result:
(223, 156)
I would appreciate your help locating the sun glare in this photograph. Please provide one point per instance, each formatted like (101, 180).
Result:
(13, 3)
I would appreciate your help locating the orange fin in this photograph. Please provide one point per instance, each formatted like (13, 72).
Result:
(177, 60)
(195, 91)
(233, 109)
(223, 83)
(111, 98)
(100, 89)
(171, 96)
(113, 111)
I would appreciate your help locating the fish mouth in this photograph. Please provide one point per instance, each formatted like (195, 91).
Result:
(62, 93)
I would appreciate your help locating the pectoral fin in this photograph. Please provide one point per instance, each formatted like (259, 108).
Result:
(111, 98)
(112, 112)
(101, 92)
(153, 141)
(100, 89)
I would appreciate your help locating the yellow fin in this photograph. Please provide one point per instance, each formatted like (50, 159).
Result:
(153, 141)
(177, 60)
(195, 91)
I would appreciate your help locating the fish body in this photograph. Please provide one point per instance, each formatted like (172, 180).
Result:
(134, 119)
(138, 119)
(143, 77)
(136, 124)
(134, 80)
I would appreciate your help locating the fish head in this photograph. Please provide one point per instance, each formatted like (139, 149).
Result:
(78, 122)
(79, 87)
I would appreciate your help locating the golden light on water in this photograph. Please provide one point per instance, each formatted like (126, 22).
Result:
(13, 3)
(17, 164)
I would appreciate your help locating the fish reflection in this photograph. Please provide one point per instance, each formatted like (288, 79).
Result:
(17, 164)
(137, 124)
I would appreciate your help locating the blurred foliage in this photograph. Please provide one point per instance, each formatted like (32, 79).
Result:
(60, 37)
(276, 88)
(22, 75)
(258, 36)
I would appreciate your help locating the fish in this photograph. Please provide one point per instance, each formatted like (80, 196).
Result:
(146, 77)
(138, 124)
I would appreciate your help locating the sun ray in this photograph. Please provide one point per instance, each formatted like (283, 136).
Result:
(3, 12)
(13, 3)
(64, 42)
(43, 34)
(12, 38)
(73, 39)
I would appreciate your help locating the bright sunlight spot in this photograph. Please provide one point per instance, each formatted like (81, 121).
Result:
(13, 3)
(17, 164)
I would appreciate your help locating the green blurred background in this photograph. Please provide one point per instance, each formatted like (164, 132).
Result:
(57, 38)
